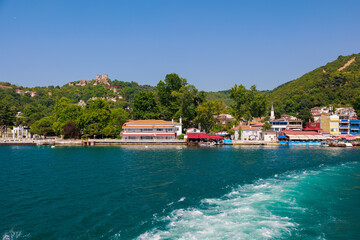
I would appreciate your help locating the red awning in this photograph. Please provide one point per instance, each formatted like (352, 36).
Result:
(216, 137)
(147, 135)
(347, 137)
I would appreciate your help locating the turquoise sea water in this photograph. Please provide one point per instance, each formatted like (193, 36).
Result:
(173, 192)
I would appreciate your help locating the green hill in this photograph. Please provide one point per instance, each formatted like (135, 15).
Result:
(337, 84)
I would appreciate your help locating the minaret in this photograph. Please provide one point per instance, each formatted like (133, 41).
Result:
(272, 115)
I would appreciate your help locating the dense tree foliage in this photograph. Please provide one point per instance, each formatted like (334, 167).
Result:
(172, 83)
(206, 113)
(356, 105)
(7, 117)
(145, 106)
(43, 127)
(248, 103)
(178, 99)
(71, 130)
(305, 115)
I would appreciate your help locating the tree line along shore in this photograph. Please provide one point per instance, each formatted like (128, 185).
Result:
(100, 107)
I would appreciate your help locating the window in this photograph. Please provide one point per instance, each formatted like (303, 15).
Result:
(334, 130)
(146, 137)
(146, 130)
(334, 123)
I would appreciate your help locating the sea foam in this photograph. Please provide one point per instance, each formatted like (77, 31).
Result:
(250, 211)
(14, 235)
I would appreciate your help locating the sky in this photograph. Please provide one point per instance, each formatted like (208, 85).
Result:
(213, 44)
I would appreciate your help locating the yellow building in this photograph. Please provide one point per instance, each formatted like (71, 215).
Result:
(330, 123)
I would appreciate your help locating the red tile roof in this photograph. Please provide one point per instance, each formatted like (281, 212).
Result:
(246, 127)
(151, 122)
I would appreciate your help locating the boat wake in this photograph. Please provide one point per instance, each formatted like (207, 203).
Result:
(265, 209)
(14, 235)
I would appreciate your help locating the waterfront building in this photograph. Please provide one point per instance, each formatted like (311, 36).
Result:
(344, 124)
(348, 124)
(278, 125)
(269, 136)
(203, 137)
(354, 127)
(286, 122)
(302, 138)
(246, 133)
(151, 130)
(330, 123)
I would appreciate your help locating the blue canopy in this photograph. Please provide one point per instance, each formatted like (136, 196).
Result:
(281, 137)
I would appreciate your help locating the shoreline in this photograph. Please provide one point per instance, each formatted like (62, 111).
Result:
(115, 142)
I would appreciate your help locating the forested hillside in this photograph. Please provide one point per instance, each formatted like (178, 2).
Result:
(337, 83)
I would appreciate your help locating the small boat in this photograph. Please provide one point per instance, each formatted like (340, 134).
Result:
(45, 143)
(207, 144)
(348, 144)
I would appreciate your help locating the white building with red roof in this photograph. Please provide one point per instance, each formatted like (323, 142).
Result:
(151, 130)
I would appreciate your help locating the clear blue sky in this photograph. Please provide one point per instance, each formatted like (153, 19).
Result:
(213, 44)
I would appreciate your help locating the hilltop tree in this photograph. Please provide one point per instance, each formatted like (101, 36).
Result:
(172, 83)
(188, 98)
